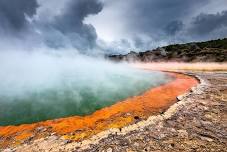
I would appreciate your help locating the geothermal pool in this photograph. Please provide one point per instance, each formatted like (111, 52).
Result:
(41, 87)
(74, 95)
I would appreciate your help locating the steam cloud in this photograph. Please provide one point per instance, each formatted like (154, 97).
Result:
(44, 63)
(38, 86)
(44, 45)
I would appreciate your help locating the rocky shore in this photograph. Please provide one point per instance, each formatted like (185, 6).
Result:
(197, 122)
(123, 113)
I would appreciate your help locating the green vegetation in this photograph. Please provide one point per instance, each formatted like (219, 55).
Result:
(210, 51)
(218, 44)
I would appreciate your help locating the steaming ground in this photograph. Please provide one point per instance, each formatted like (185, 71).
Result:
(37, 86)
(176, 66)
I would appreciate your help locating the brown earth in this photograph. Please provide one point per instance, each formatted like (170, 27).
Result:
(74, 129)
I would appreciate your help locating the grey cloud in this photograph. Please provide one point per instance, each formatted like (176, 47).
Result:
(12, 13)
(70, 23)
(171, 21)
(149, 23)
(146, 23)
(173, 27)
(205, 24)
(157, 17)
(65, 28)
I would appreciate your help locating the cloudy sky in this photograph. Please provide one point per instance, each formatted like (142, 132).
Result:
(110, 26)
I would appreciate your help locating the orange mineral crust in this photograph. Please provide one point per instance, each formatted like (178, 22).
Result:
(118, 115)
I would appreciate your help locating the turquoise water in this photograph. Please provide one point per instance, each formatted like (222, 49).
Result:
(73, 94)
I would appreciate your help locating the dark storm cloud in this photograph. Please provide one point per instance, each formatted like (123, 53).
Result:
(158, 17)
(152, 23)
(71, 25)
(64, 29)
(142, 24)
(205, 24)
(75, 12)
(13, 13)
(173, 27)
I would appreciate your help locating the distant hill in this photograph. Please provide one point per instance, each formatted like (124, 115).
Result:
(210, 51)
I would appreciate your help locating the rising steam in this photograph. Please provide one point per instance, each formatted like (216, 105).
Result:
(37, 85)
(46, 68)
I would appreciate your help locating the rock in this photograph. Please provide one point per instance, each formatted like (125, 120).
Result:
(136, 117)
(109, 150)
(129, 150)
(54, 133)
(41, 129)
(128, 114)
(53, 137)
(29, 139)
(67, 141)
(206, 139)
(193, 89)
(182, 133)
(180, 97)
(8, 150)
